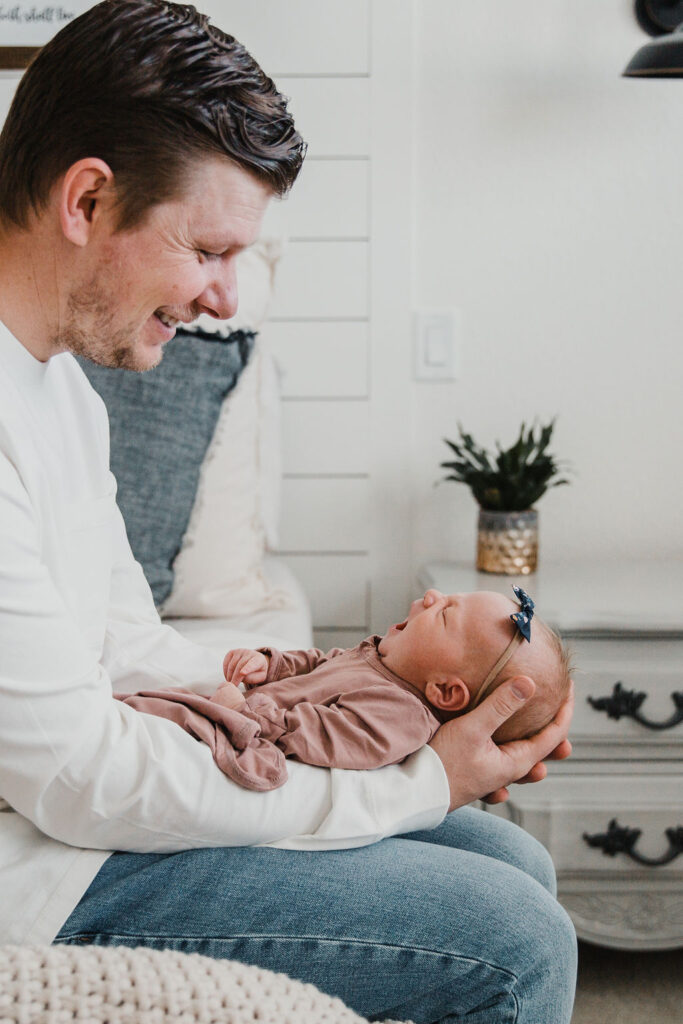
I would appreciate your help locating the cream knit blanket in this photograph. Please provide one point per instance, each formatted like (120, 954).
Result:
(117, 985)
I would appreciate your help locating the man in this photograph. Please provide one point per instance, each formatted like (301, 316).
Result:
(136, 162)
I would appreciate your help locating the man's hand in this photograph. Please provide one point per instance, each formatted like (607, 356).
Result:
(479, 769)
(245, 666)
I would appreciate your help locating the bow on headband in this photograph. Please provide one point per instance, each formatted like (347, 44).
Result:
(522, 619)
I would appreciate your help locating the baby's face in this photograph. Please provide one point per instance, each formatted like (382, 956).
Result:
(456, 634)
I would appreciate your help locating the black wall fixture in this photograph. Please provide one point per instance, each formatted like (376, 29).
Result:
(663, 57)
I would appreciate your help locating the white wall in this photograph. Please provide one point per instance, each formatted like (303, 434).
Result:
(549, 209)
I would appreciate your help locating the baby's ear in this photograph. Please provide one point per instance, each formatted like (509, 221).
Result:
(448, 694)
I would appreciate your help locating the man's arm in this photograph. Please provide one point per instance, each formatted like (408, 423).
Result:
(91, 772)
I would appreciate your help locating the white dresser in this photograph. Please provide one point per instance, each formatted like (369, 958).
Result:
(611, 815)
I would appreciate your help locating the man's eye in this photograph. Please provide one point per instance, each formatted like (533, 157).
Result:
(209, 255)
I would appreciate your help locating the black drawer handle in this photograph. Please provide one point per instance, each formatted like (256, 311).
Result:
(628, 703)
(623, 840)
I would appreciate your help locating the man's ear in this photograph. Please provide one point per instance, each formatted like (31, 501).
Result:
(448, 694)
(81, 193)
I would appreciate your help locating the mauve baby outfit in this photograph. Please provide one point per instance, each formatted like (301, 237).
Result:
(342, 709)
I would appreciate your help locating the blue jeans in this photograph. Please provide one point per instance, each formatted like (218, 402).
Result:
(457, 923)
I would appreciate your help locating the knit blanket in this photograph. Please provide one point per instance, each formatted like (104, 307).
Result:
(117, 985)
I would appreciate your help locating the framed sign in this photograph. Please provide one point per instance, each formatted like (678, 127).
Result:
(26, 25)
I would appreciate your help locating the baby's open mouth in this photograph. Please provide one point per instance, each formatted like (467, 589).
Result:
(401, 625)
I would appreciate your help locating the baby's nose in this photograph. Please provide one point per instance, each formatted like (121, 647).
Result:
(431, 596)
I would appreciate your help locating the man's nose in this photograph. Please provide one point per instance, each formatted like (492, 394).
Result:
(219, 298)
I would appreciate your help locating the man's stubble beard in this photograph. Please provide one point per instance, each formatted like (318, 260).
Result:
(88, 331)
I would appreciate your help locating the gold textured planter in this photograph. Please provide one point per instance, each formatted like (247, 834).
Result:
(507, 542)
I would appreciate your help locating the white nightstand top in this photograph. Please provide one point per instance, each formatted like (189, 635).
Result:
(583, 597)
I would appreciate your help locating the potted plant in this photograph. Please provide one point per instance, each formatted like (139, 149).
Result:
(506, 486)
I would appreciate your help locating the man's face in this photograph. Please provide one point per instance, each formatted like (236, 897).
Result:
(133, 287)
(457, 635)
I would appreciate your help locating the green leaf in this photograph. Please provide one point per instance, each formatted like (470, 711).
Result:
(514, 478)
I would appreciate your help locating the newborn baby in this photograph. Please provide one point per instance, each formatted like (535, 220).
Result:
(373, 704)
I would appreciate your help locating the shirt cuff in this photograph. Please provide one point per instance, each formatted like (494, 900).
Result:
(275, 660)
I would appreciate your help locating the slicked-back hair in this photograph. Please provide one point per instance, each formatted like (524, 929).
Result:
(147, 86)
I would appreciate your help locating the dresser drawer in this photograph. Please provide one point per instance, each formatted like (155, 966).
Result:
(565, 809)
(613, 900)
(611, 720)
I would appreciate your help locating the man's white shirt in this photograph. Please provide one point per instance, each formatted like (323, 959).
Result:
(81, 774)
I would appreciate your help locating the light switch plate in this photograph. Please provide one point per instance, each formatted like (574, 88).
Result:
(437, 344)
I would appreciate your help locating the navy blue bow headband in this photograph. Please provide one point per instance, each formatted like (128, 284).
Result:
(522, 619)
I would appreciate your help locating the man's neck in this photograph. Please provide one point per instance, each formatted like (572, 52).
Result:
(28, 290)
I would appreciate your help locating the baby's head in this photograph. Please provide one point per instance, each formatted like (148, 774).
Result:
(449, 647)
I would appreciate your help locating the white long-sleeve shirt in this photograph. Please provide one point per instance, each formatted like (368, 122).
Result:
(81, 774)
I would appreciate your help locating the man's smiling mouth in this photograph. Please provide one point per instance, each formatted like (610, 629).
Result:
(167, 321)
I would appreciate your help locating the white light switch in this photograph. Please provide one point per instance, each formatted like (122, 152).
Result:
(436, 344)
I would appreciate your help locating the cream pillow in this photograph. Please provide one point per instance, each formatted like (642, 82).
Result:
(219, 568)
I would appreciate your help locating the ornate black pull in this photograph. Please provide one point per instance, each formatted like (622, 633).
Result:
(628, 703)
(623, 840)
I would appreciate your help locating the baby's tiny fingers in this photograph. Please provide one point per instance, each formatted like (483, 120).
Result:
(230, 660)
(254, 678)
(252, 664)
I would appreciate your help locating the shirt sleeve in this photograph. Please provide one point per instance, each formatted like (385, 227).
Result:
(366, 728)
(91, 772)
(284, 664)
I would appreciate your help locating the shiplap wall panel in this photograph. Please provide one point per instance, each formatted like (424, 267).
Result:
(337, 586)
(298, 36)
(324, 438)
(330, 200)
(325, 359)
(322, 279)
(325, 515)
(332, 114)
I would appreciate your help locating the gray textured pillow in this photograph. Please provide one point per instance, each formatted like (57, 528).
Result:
(162, 422)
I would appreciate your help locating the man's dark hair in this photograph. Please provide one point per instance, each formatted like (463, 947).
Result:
(147, 86)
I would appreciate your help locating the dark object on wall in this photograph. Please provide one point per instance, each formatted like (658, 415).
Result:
(14, 58)
(663, 57)
(161, 425)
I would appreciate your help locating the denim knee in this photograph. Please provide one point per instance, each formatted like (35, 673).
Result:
(551, 974)
(492, 835)
(531, 856)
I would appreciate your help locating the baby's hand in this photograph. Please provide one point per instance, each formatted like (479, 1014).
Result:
(228, 696)
(245, 666)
